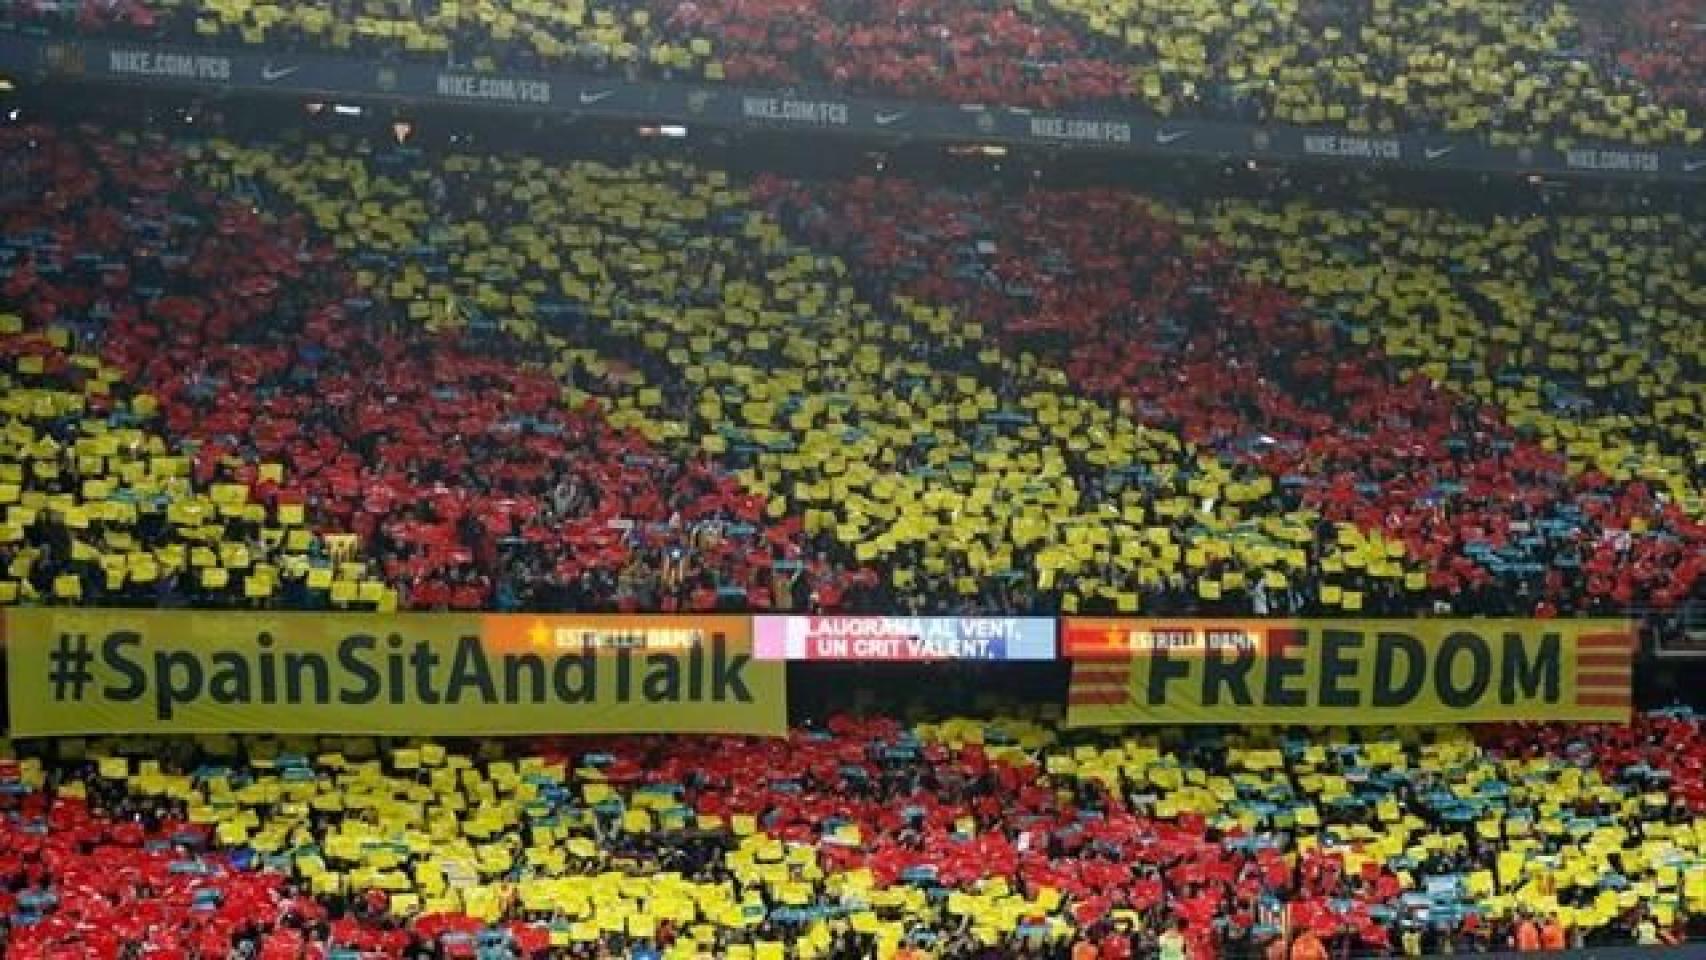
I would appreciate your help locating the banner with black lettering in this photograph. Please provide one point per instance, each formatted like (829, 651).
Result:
(1346, 671)
(132, 671)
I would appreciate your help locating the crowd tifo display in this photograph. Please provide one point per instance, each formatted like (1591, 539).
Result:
(313, 377)
(1550, 71)
(314, 447)
(858, 838)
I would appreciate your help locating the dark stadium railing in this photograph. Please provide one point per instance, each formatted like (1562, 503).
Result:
(32, 53)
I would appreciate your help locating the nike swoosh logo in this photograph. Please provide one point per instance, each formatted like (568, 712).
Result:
(594, 96)
(269, 73)
(1434, 153)
(1691, 166)
(1165, 137)
(884, 119)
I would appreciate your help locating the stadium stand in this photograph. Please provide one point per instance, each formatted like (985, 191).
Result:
(1661, 42)
(315, 374)
(951, 839)
(168, 447)
(322, 373)
(1515, 73)
(1544, 462)
(963, 420)
(1576, 327)
(99, 501)
(854, 416)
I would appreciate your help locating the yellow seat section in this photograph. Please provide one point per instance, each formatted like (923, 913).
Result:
(555, 35)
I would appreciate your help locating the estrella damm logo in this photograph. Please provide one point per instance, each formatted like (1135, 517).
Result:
(78, 671)
(1346, 672)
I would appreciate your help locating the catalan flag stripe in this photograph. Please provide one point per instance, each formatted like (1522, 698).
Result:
(1101, 675)
(1595, 678)
(1605, 641)
(1097, 648)
(1097, 697)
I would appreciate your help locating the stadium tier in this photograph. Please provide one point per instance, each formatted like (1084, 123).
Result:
(1511, 390)
(1517, 74)
(336, 432)
(480, 534)
(496, 381)
(864, 838)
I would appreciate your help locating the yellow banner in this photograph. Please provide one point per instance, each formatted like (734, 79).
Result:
(125, 671)
(1346, 671)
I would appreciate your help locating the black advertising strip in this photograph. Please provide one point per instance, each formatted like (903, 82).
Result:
(236, 70)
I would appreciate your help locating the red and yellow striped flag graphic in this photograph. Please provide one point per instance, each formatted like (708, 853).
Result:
(1604, 669)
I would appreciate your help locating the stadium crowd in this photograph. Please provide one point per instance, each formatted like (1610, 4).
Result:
(1247, 328)
(503, 382)
(315, 373)
(168, 448)
(955, 839)
(1542, 71)
(1660, 42)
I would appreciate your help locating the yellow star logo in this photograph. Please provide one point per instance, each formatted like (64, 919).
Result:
(539, 634)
